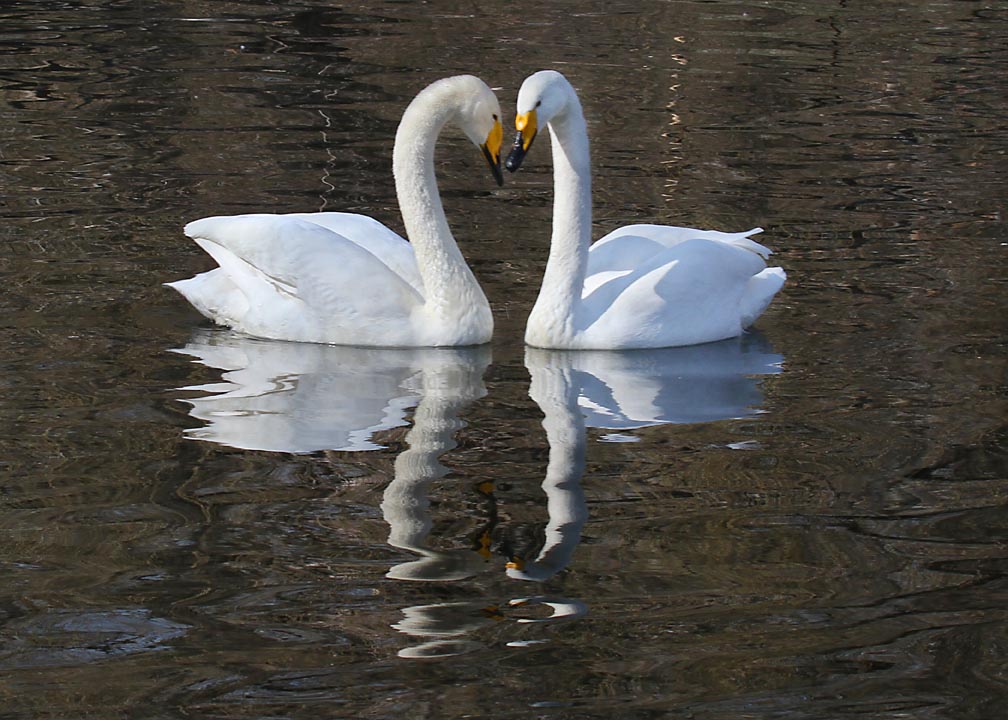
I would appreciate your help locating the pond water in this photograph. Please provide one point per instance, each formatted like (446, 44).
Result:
(806, 522)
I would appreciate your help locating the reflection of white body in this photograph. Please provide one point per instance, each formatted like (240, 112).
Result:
(561, 609)
(299, 398)
(441, 626)
(285, 397)
(622, 390)
(290, 397)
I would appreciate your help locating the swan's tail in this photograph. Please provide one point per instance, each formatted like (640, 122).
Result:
(741, 240)
(759, 292)
(214, 295)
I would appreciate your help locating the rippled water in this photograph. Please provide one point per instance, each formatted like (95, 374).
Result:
(808, 522)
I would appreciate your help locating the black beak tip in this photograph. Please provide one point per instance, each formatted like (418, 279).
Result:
(495, 165)
(517, 154)
(514, 160)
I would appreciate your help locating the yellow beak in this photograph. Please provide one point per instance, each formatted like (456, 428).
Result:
(492, 150)
(527, 126)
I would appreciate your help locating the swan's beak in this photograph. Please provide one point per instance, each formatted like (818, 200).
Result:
(527, 129)
(492, 151)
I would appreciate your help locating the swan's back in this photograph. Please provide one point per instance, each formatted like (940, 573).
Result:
(393, 249)
(627, 247)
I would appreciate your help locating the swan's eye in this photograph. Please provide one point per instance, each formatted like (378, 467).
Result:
(539, 103)
(495, 118)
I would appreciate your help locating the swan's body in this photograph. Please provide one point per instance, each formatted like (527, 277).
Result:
(641, 286)
(346, 279)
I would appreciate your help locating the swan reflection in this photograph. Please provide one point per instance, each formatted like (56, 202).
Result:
(443, 627)
(302, 397)
(624, 390)
(299, 398)
(445, 392)
(556, 390)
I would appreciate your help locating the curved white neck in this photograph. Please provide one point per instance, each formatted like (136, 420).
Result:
(446, 277)
(563, 280)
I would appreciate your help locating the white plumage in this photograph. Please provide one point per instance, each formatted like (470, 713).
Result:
(640, 286)
(346, 279)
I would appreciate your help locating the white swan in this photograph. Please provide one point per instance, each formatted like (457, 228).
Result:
(346, 279)
(640, 286)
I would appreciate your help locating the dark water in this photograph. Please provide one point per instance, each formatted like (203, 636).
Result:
(807, 523)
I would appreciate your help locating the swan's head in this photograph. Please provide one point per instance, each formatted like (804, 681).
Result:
(542, 97)
(479, 116)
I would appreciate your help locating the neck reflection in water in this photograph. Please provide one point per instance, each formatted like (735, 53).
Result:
(292, 397)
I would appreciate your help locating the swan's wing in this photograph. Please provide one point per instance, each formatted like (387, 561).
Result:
(628, 247)
(692, 292)
(266, 240)
(382, 242)
(619, 255)
(214, 295)
(285, 266)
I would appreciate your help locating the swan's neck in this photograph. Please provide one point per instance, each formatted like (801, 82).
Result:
(450, 288)
(555, 311)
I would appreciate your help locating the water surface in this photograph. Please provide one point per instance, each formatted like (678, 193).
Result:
(809, 521)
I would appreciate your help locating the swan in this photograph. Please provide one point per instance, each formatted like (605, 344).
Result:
(346, 279)
(640, 286)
